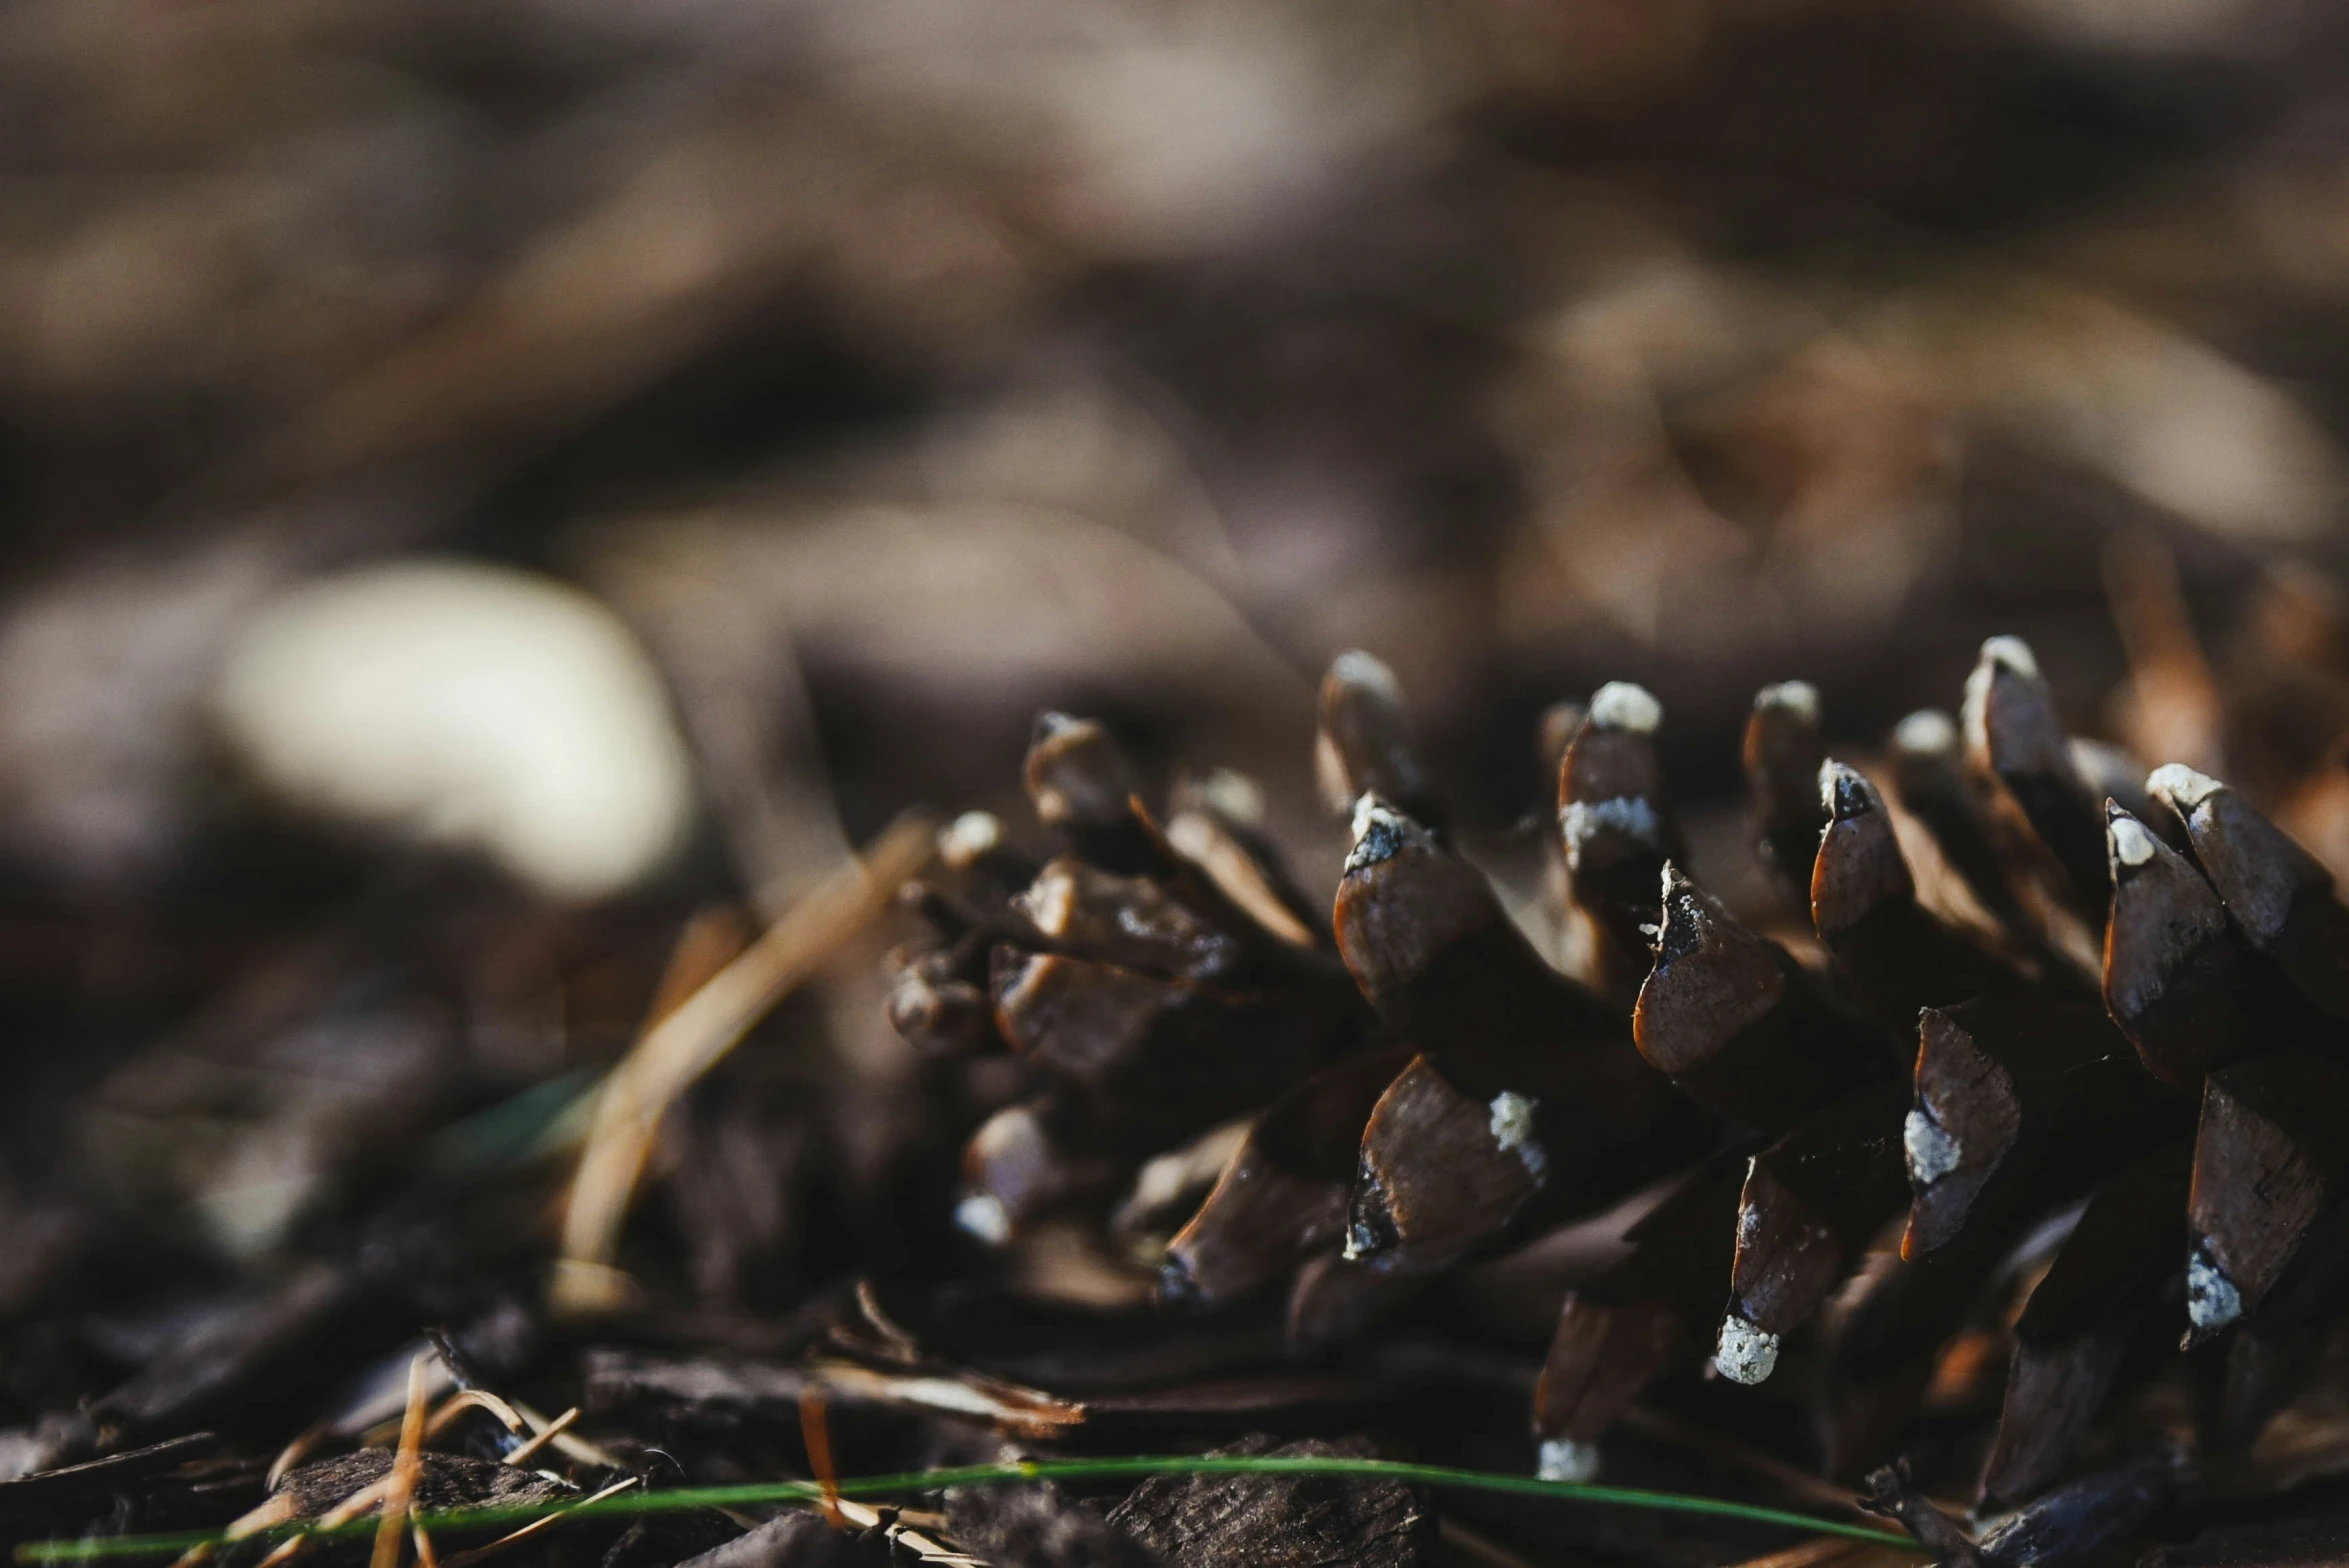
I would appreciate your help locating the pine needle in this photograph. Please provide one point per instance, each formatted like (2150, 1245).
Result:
(692, 1036)
(1078, 1470)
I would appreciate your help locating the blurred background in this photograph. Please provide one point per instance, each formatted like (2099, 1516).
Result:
(483, 481)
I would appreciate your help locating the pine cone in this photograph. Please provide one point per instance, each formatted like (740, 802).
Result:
(2062, 1083)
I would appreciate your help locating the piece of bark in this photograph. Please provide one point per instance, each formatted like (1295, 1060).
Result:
(1617, 825)
(2316, 1540)
(444, 1481)
(1809, 1205)
(2013, 736)
(2280, 896)
(1739, 1026)
(1782, 752)
(711, 1390)
(674, 1536)
(2116, 1270)
(1229, 1521)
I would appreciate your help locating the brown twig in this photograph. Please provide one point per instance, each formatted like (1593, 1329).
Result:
(407, 1461)
(678, 1049)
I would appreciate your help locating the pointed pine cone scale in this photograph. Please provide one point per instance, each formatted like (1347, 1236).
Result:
(1447, 1162)
(2271, 1172)
(1782, 752)
(2280, 896)
(1646, 1314)
(1930, 775)
(2117, 1270)
(1017, 1167)
(1085, 788)
(1617, 824)
(1217, 824)
(1739, 1027)
(1159, 1060)
(1363, 744)
(1334, 1301)
(2022, 1101)
(1283, 1195)
(1896, 953)
(1437, 957)
(2174, 969)
(1880, 1344)
(1130, 922)
(2013, 737)
(1809, 1206)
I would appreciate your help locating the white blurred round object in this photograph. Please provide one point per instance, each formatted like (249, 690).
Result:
(467, 706)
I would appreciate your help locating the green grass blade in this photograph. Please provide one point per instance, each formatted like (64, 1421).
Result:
(90, 1549)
